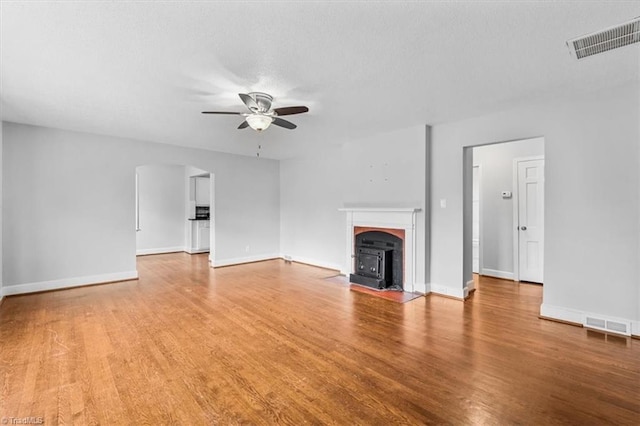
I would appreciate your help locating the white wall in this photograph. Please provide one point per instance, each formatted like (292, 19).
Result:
(591, 200)
(496, 162)
(70, 207)
(381, 171)
(1, 173)
(162, 209)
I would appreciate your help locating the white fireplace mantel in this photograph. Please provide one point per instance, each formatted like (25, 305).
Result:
(384, 217)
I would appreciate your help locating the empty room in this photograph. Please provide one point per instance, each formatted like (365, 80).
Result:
(301, 212)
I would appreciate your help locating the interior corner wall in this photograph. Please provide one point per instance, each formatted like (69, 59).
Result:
(591, 198)
(69, 205)
(162, 208)
(636, 325)
(1, 173)
(496, 162)
(380, 171)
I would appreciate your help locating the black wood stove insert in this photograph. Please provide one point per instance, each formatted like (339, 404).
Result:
(379, 263)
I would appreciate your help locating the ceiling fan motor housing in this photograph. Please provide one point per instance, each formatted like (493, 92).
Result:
(263, 101)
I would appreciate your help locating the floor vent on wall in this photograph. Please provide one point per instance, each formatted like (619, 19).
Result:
(608, 325)
(607, 39)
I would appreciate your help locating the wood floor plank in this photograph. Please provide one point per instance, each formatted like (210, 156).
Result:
(278, 343)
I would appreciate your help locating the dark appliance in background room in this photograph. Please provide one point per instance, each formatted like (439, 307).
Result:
(378, 261)
(202, 212)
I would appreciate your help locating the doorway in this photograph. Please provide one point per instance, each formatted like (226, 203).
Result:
(165, 207)
(495, 244)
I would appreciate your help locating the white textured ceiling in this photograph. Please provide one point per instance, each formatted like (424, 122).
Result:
(145, 70)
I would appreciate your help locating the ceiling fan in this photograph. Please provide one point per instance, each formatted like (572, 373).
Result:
(262, 115)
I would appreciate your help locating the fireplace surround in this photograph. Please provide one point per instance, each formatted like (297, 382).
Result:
(393, 222)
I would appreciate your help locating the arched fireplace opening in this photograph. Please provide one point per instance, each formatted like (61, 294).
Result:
(379, 260)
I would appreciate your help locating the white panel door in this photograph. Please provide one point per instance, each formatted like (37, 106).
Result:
(531, 220)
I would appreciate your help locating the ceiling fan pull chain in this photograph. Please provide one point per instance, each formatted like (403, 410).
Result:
(258, 153)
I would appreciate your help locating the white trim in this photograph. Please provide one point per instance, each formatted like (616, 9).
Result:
(580, 317)
(497, 274)
(515, 205)
(516, 216)
(469, 287)
(403, 218)
(196, 251)
(560, 313)
(137, 195)
(313, 262)
(380, 209)
(422, 288)
(68, 283)
(212, 218)
(241, 260)
(480, 223)
(447, 291)
(143, 252)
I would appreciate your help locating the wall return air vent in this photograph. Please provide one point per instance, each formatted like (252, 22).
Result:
(608, 39)
(608, 325)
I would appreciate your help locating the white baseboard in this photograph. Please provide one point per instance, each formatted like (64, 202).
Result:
(580, 317)
(314, 262)
(143, 252)
(423, 288)
(469, 287)
(68, 283)
(562, 314)
(241, 260)
(196, 251)
(447, 291)
(497, 274)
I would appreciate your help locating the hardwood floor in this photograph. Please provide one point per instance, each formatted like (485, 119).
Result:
(276, 343)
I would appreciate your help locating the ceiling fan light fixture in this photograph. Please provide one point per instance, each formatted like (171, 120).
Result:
(259, 122)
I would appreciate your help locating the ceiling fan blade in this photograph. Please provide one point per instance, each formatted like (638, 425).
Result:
(284, 123)
(249, 102)
(222, 112)
(243, 125)
(291, 110)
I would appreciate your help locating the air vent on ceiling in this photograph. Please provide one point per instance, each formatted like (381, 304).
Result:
(608, 39)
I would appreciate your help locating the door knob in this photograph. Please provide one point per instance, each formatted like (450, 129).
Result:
(523, 228)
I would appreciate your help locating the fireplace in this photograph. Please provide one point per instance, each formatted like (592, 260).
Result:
(385, 222)
(379, 259)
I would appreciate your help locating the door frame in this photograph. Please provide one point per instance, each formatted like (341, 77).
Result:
(516, 215)
(479, 176)
(212, 218)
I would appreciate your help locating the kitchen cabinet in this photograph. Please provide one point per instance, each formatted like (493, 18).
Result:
(202, 191)
(198, 239)
(204, 230)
